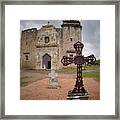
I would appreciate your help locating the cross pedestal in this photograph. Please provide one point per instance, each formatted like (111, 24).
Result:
(53, 80)
(79, 91)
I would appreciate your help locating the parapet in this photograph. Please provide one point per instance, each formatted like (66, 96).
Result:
(74, 23)
(30, 30)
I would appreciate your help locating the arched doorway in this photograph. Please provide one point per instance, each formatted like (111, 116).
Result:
(46, 64)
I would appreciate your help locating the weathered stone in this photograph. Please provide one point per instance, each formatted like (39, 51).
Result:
(53, 80)
(48, 41)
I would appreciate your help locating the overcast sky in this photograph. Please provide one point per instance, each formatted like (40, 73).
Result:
(90, 33)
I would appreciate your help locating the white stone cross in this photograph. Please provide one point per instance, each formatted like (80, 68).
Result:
(53, 81)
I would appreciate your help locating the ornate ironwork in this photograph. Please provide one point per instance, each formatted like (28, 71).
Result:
(78, 60)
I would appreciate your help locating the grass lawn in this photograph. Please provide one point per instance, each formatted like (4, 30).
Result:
(24, 81)
(92, 71)
(94, 74)
(88, 71)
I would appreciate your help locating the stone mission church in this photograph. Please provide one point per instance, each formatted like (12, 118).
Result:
(45, 47)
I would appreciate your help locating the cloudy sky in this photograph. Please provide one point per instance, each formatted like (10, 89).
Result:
(90, 33)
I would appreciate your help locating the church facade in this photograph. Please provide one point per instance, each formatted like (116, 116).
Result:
(45, 47)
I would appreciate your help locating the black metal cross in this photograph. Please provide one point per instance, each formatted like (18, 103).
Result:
(79, 90)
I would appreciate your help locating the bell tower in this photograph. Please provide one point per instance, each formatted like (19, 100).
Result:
(71, 33)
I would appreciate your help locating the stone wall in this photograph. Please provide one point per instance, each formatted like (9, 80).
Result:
(71, 33)
(51, 41)
(52, 52)
(48, 46)
(28, 48)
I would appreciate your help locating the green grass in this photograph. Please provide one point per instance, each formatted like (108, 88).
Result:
(92, 71)
(24, 81)
(94, 74)
(67, 70)
(91, 67)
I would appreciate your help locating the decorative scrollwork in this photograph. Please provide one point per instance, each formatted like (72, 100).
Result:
(90, 60)
(66, 60)
(78, 60)
(78, 47)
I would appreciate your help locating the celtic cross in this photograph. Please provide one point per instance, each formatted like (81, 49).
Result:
(78, 60)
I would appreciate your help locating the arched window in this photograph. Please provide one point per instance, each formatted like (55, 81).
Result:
(47, 39)
(46, 61)
(26, 57)
(71, 39)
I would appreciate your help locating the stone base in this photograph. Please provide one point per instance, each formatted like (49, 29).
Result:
(54, 87)
(77, 96)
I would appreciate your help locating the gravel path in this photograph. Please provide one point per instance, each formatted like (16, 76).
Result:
(39, 90)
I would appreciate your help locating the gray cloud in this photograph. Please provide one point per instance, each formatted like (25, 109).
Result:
(91, 37)
(26, 24)
(90, 33)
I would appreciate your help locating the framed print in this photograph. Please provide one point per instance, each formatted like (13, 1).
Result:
(60, 60)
